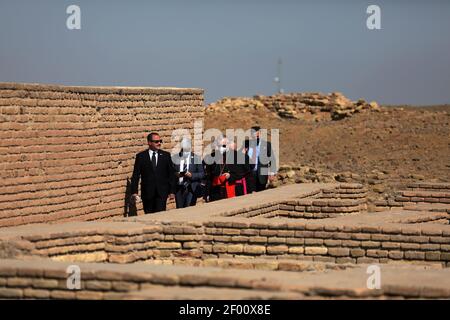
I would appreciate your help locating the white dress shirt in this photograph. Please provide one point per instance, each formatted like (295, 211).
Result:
(182, 161)
(150, 152)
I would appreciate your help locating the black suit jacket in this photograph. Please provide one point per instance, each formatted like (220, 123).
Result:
(266, 160)
(195, 167)
(153, 182)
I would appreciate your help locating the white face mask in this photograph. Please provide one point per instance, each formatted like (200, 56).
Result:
(186, 154)
(223, 149)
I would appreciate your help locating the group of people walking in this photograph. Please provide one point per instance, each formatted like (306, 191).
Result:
(227, 172)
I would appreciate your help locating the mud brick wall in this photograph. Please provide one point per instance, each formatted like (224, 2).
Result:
(326, 242)
(418, 193)
(66, 152)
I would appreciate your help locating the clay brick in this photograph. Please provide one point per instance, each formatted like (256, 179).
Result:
(98, 285)
(314, 242)
(184, 237)
(89, 295)
(219, 248)
(258, 240)
(377, 253)
(124, 286)
(324, 259)
(410, 246)
(355, 253)
(316, 250)
(9, 293)
(338, 252)
(332, 243)
(433, 255)
(370, 244)
(285, 233)
(360, 236)
(190, 245)
(314, 227)
(231, 232)
(19, 282)
(296, 226)
(390, 245)
(342, 235)
(304, 234)
(296, 241)
(296, 250)
(235, 248)
(268, 233)
(323, 234)
(222, 238)
(444, 240)
(430, 247)
(281, 249)
(431, 232)
(275, 240)
(254, 250)
(62, 295)
(36, 294)
(419, 239)
(240, 239)
(380, 237)
(414, 255)
(395, 255)
(45, 283)
(250, 232)
(351, 243)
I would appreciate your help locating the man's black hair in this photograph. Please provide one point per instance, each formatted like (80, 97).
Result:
(256, 128)
(149, 137)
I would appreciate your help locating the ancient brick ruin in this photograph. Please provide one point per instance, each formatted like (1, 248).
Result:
(299, 241)
(66, 152)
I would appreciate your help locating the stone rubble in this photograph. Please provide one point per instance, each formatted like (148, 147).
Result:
(293, 105)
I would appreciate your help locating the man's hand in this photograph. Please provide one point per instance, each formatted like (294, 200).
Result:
(227, 175)
(171, 196)
(272, 177)
(188, 174)
(135, 198)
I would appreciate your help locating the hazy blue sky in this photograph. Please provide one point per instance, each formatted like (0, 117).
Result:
(230, 48)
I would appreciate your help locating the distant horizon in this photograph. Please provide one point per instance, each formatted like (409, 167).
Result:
(231, 48)
(224, 97)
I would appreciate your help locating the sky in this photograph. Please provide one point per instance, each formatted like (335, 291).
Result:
(231, 47)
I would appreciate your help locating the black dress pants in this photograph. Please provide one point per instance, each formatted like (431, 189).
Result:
(258, 186)
(154, 204)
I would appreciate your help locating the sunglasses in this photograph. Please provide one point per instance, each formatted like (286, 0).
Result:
(157, 141)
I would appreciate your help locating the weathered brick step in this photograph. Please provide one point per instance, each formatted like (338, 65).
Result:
(429, 186)
(208, 293)
(433, 207)
(423, 196)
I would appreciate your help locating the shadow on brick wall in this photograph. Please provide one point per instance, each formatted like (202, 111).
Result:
(129, 208)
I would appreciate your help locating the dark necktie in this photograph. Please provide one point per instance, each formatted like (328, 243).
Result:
(185, 164)
(154, 160)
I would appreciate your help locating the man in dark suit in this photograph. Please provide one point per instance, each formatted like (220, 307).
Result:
(262, 160)
(157, 173)
(227, 169)
(190, 173)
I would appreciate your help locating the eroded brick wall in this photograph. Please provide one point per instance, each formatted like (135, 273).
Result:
(66, 152)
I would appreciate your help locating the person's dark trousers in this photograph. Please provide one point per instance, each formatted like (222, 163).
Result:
(155, 204)
(257, 185)
(184, 198)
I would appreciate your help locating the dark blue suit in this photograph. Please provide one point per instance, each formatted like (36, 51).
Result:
(190, 188)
